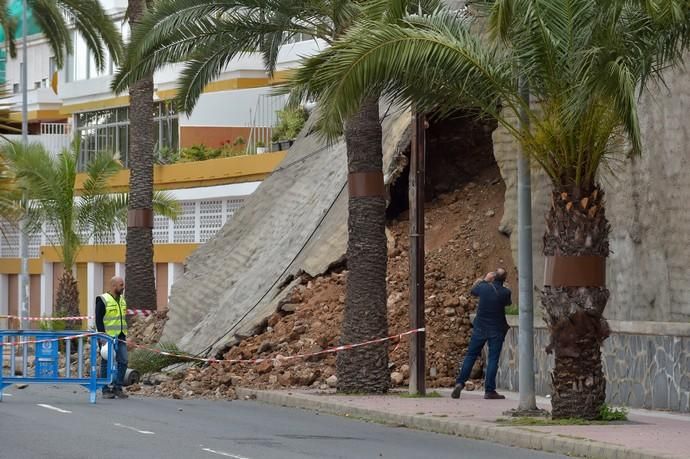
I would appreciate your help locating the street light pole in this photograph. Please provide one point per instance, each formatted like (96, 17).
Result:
(528, 401)
(23, 229)
(417, 383)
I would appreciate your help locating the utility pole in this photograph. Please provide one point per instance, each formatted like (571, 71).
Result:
(416, 202)
(528, 401)
(23, 228)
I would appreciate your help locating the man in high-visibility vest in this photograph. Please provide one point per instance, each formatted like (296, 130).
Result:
(111, 319)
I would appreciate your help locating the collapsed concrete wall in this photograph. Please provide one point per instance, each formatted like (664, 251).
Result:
(647, 206)
(296, 221)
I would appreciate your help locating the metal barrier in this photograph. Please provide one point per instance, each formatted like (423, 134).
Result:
(46, 357)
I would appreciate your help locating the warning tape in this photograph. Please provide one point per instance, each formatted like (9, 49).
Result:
(282, 358)
(279, 358)
(47, 340)
(130, 312)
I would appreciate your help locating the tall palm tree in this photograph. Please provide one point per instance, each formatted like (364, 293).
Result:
(139, 257)
(54, 18)
(49, 183)
(207, 36)
(583, 61)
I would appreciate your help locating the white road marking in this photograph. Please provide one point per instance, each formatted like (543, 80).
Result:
(7, 395)
(54, 408)
(143, 432)
(222, 453)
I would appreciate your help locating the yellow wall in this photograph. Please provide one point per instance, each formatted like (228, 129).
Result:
(162, 253)
(221, 171)
(217, 86)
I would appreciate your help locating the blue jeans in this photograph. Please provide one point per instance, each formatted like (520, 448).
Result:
(477, 342)
(122, 360)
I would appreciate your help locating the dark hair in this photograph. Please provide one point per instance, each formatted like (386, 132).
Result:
(501, 275)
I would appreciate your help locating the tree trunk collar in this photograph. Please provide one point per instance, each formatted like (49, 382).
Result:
(575, 271)
(366, 184)
(140, 218)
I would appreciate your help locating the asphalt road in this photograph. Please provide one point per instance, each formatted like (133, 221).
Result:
(58, 422)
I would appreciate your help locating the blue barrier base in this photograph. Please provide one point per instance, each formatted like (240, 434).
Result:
(93, 391)
(47, 357)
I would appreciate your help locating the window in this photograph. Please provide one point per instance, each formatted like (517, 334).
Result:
(37, 85)
(108, 130)
(297, 38)
(15, 88)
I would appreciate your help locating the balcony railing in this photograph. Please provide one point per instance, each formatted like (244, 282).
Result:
(198, 222)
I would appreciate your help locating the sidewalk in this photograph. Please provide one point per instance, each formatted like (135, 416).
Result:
(647, 435)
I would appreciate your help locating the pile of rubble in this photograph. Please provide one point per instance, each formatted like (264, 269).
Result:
(147, 330)
(462, 243)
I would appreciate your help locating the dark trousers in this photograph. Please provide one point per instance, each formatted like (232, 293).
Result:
(477, 342)
(122, 360)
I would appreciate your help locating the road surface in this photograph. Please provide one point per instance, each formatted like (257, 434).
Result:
(58, 422)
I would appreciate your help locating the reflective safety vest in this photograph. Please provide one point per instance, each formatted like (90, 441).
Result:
(115, 319)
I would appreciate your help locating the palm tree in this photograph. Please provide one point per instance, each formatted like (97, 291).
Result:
(583, 61)
(139, 252)
(8, 198)
(207, 36)
(49, 183)
(54, 18)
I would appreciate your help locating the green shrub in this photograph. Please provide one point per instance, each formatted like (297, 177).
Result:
(199, 153)
(606, 413)
(290, 123)
(145, 361)
(167, 155)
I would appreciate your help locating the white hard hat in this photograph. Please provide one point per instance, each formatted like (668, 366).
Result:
(104, 351)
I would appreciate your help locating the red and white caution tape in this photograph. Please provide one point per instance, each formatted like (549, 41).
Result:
(130, 312)
(47, 340)
(278, 358)
(284, 358)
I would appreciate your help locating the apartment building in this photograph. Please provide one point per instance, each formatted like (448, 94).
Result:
(77, 101)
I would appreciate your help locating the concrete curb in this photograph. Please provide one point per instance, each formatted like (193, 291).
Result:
(509, 436)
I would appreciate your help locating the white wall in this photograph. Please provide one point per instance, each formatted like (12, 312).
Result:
(39, 53)
(225, 108)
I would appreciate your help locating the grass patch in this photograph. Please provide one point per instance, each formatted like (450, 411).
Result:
(606, 416)
(606, 413)
(512, 310)
(544, 422)
(433, 394)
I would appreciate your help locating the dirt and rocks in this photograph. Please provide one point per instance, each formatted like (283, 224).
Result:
(147, 330)
(462, 243)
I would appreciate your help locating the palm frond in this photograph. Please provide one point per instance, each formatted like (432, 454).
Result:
(148, 361)
(97, 29)
(584, 60)
(9, 27)
(49, 17)
(208, 35)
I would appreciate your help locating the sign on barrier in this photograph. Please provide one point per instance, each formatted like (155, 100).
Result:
(48, 357)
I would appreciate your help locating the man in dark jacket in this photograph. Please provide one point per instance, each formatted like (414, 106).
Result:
(490, 325)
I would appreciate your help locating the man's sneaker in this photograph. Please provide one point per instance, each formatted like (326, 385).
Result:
(119, 393)
(108, 394)
(493, 395)
(457, 390)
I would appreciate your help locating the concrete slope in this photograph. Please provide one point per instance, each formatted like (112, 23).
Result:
(295, 221)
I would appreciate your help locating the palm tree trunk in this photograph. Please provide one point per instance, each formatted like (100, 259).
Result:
(365, 369)
(576, 226)
(67, 299)
(139, 262)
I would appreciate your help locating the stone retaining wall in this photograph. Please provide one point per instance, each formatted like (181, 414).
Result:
(647, 364)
